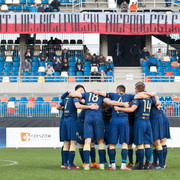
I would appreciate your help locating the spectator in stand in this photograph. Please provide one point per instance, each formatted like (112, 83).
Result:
(40, 8)
(133, 7)
(109, 65)
(95, 75)
(145, 55)
(119, 54)
(34, 8)
(55, 5)
(65, 54)
(79, 65)
(49, 70)
(102, 76)
(65, 65)
(119, 2)
(27, 65)
(51, 55)
(57, 65)
(135, 53)
(124, 6)
(102, 60)
(94, 60)
(28, 55)
(47, 9)
(152, 60)
(87, 58)
(15, 52)
(58, 43)
(42, 56)
(159, 55)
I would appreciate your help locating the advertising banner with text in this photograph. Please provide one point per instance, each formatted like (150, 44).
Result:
(102, 23)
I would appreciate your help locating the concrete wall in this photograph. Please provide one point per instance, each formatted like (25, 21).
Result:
(20, 89)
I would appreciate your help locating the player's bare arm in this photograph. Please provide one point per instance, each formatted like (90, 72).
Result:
(128, 110)
(115, 103)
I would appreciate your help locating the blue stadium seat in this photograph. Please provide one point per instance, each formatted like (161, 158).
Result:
(38, 108)
(41, 73)
(8, 64)
(42, 64)
(33, 78)
(57, 74)
(55, 99)
(168, 69)
(30, 1)
(71, 69)
(3, 107)
(12, 99)
(16, 59)
(162, 98)
(1, 64)
(34, 69)
(6, 73)
(26, 8)
(72, 59)
(50, 62)
(45, 2)
(81, 58)
(19, 8)
(23, 1)
(14, 73)
(168, 98)
(160, 64)
(87, 69)
(46, 107)
(11, 8)
(2, 58)
(72, 64)
(175, 69)
(13, 79)
(39, 99)
(35, 64)
(145, 64)
(23, 99)
(16, 64)
(102, 68)
(22, 107)
(2, 2)
(35, 59)
(167, 63)
(173, 58)
(71, 73)
(87, 64)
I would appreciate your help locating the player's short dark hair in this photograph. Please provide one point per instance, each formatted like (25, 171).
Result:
(140, 87)
(121, 88)
(140, 83)
(79, 86)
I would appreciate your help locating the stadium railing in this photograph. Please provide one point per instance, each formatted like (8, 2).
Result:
(45, 109)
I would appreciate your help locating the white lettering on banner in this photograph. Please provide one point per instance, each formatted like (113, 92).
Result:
(32, 137)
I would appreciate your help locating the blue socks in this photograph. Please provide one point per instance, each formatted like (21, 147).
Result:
(86, 156)
(160, 157)
(112, 154)
(165, 150)
(101, 155)
(93, 154)
(130, 155)
(140, 155)
(148, 154)
(81, 154)
(71, 158)
(124, 153)
(66, 157)
(137, 160)
(62, 157)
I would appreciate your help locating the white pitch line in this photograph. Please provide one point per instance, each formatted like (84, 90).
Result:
(10, 163)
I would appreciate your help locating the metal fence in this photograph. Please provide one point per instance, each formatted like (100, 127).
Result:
(45, 109)
(29, 109)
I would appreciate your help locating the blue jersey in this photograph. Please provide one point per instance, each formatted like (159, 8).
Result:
(155, 113)
(91, 98)
(82, 115)
(144, 108)
(107, 115)
(69, 107)
(120, 98)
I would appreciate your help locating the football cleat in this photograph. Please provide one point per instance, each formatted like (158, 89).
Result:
(94, 165)
(112, 166)
(83, 165)
(101, 167)
(87, 168)
(139, 167)
(130, 165)
(63, 167)
(126, 169)
(73, 167)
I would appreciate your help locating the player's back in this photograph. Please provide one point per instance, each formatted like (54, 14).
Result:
(91, 98)
(144, 107)
(120, 97)
(69, 107)
(107, 114)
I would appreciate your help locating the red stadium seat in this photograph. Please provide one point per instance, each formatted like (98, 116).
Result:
(31, 99)
(169, 73)
(176, 98)
(47, 99)
(10, 110)
(147, 79)
(170, 110)
(54, 104)
(4, 99)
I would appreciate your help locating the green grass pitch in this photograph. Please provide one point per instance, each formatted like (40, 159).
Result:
(37, 164)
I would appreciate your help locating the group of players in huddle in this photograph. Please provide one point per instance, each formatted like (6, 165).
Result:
(112, 118)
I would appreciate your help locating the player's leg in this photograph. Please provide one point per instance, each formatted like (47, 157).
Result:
(140, 151)
(137, 161)
(165, 150)
(130, 155)
(81, 146)
(101, 152)
(154, 156)
(148, 153)
(123, 129)
(66, 152)
(87, 152)
(159, 152)
(112, 156)
(94, 164)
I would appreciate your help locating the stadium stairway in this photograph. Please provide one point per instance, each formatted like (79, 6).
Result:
(129, 73)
